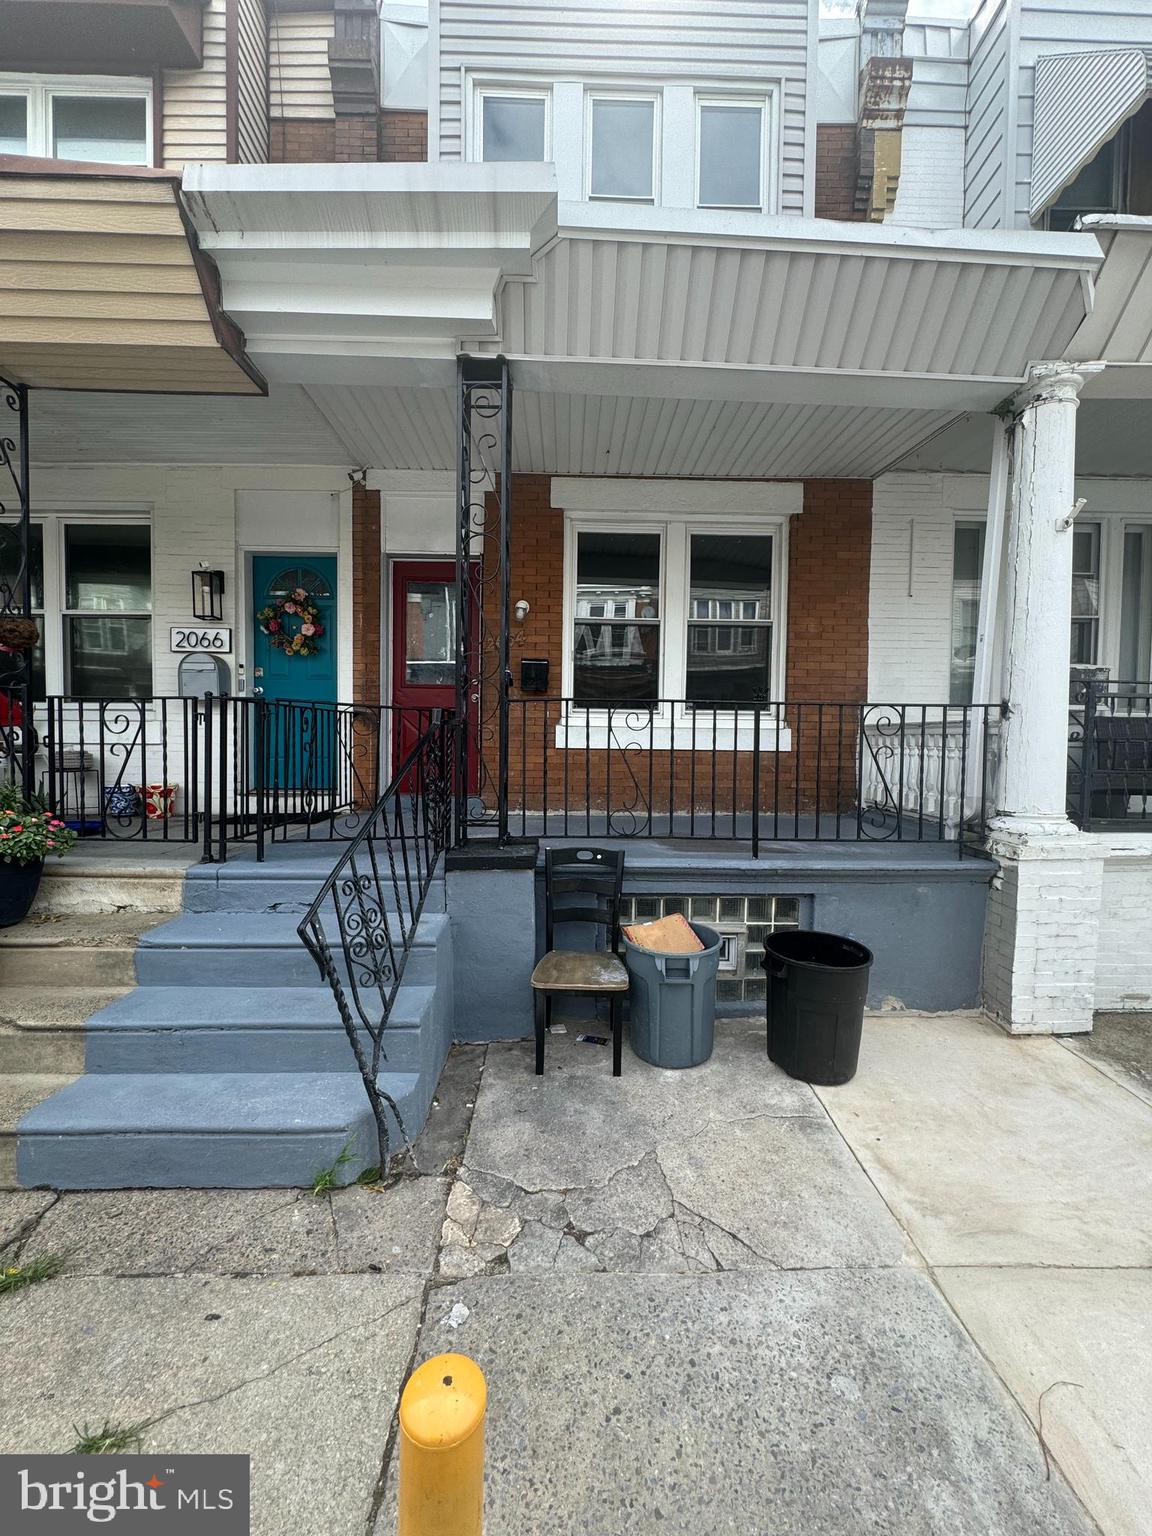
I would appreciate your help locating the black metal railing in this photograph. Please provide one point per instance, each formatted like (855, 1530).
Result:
(362, 925)
(207, 771)
(1110, 754)
(792, 771)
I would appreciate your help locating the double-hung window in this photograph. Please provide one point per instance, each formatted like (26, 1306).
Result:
(729, 653)
(622, 135)
(63, 117)
(92, 598)
(731, 153)
(616, 638)
(513, 124)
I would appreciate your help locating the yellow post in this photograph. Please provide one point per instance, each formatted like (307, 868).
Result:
(442, 1448)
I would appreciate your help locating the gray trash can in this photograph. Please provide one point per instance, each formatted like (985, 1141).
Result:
(672, 1002)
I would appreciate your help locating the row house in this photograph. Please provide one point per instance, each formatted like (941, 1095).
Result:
(733, 415)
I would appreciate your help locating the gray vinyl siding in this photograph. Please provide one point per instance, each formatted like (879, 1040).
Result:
(750, 42)
(989, 117)
(1065, 26)
(252, 81)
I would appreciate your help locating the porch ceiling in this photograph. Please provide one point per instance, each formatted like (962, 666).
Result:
(391, 428)
(1119, 328)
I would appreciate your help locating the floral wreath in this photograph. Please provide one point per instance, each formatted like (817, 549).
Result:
(273, 620)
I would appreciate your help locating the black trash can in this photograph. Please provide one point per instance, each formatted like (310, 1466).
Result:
(817, 988)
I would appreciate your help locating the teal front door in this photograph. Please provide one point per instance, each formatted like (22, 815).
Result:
(301, 737)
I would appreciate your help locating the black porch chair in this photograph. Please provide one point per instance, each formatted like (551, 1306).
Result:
(581, 885)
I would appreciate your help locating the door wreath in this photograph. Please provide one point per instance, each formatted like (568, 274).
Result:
(292, 624)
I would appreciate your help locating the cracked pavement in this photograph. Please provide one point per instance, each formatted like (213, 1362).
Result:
(708, 1300)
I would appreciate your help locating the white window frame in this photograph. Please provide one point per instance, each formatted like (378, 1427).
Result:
(482, 89)
(767, 103)
(53, 525)
(40, 90)
(675, 725)
(655, 99)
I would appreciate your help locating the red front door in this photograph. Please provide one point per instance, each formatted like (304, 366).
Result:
(423, 648)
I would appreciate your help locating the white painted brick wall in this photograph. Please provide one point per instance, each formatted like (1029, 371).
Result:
(931, 190)
(1124, 951)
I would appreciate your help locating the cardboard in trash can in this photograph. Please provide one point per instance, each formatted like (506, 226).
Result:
(671, 935)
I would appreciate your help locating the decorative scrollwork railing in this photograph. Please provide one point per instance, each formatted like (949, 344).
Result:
(362, 925)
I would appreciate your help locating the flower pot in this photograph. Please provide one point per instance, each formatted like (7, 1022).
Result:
(159, 801)
(18, 886)
(122, 800)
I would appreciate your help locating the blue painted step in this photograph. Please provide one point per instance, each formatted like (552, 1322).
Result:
(210, 1130)
(281, 887)
(255, 949)
(249, 1029)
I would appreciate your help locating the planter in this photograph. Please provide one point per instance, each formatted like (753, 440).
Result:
(122, 801)
(18, 886)
(159, 801)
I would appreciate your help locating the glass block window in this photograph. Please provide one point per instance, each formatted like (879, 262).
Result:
(749, 919)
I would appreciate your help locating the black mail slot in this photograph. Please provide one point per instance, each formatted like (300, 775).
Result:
(533, 676)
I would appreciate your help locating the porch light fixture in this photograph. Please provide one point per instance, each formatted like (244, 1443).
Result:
(208, 594)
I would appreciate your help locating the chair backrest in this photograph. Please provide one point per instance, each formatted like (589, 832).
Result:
(582, 885)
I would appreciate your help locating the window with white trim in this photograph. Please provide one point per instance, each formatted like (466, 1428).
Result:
(622, 146)
(731, 152)
(71, 117)
(729, 652)
(513, 124)
(92, 598)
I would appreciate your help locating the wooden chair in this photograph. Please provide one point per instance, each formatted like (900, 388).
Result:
(581, 885)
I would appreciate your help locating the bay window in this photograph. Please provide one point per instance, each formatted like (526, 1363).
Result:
(92, 598)
(62, 117)
(622, 134)
(513, 125)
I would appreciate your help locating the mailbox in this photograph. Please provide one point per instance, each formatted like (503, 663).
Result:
(533, 676)
(199, 674)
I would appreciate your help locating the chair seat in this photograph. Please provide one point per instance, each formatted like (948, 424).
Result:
(577, 970)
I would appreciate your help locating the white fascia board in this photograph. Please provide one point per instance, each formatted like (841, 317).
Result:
(372, 177)
(581, 494)
(729, 381)
(427, 363)
(1013, 247)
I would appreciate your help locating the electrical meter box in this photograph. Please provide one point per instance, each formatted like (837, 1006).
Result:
(198, 674)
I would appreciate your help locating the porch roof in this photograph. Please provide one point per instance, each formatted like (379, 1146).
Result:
(1119, 328)
(103, 287)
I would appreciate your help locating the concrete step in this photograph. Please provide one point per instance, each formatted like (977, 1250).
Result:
(247, 1029)
(91, 950)
(280, 886)
(20, 1093)
(93, 885)
(42, 1028)
(203, 1131)
(257, 949)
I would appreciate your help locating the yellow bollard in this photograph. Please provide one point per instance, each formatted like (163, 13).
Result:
(442, 1448)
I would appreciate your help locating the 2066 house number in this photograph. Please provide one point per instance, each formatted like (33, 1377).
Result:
(201, 638)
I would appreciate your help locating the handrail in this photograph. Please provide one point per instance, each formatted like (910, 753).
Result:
(361, 927)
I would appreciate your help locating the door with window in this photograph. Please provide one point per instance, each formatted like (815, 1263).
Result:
(294, 665)
(423, 648)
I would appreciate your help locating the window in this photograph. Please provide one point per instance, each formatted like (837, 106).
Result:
(967, 564)
(1085, 593)
(730, 154)
(1136, 606)
(92, 597)
(513, 125)
(616, 642)
(622, 147)
(729, 619)
(70, 118)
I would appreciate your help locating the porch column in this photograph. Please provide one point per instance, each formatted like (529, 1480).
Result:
(1043, 917)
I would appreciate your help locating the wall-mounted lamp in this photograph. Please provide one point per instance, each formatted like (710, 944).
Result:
(208, 594)
(521, 610)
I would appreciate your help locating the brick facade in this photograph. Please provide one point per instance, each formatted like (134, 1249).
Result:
(391, 137)
(827, 639)
(837, 171)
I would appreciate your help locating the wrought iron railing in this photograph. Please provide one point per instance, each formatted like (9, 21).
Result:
(362, 925)
(207, 771)
(786, 772)
(1110, 754)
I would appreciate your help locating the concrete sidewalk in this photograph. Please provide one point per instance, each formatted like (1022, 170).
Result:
(704, 1301)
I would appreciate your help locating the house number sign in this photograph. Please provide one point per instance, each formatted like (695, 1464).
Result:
(199, 637)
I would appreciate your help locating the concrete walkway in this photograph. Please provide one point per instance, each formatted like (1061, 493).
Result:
(917, 1305)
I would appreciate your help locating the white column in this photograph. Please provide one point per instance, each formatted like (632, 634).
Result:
(1043, 913)
(1032, 792)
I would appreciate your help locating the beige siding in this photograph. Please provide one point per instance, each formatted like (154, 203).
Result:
(195, 100)
(298, 78)
(252, 78)
(98, 289)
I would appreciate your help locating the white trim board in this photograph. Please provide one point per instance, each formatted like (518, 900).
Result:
(724, 498)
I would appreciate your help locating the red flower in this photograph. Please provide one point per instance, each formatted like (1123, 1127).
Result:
(273, 626)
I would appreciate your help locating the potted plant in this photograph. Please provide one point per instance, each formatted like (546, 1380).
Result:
(29, 834)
